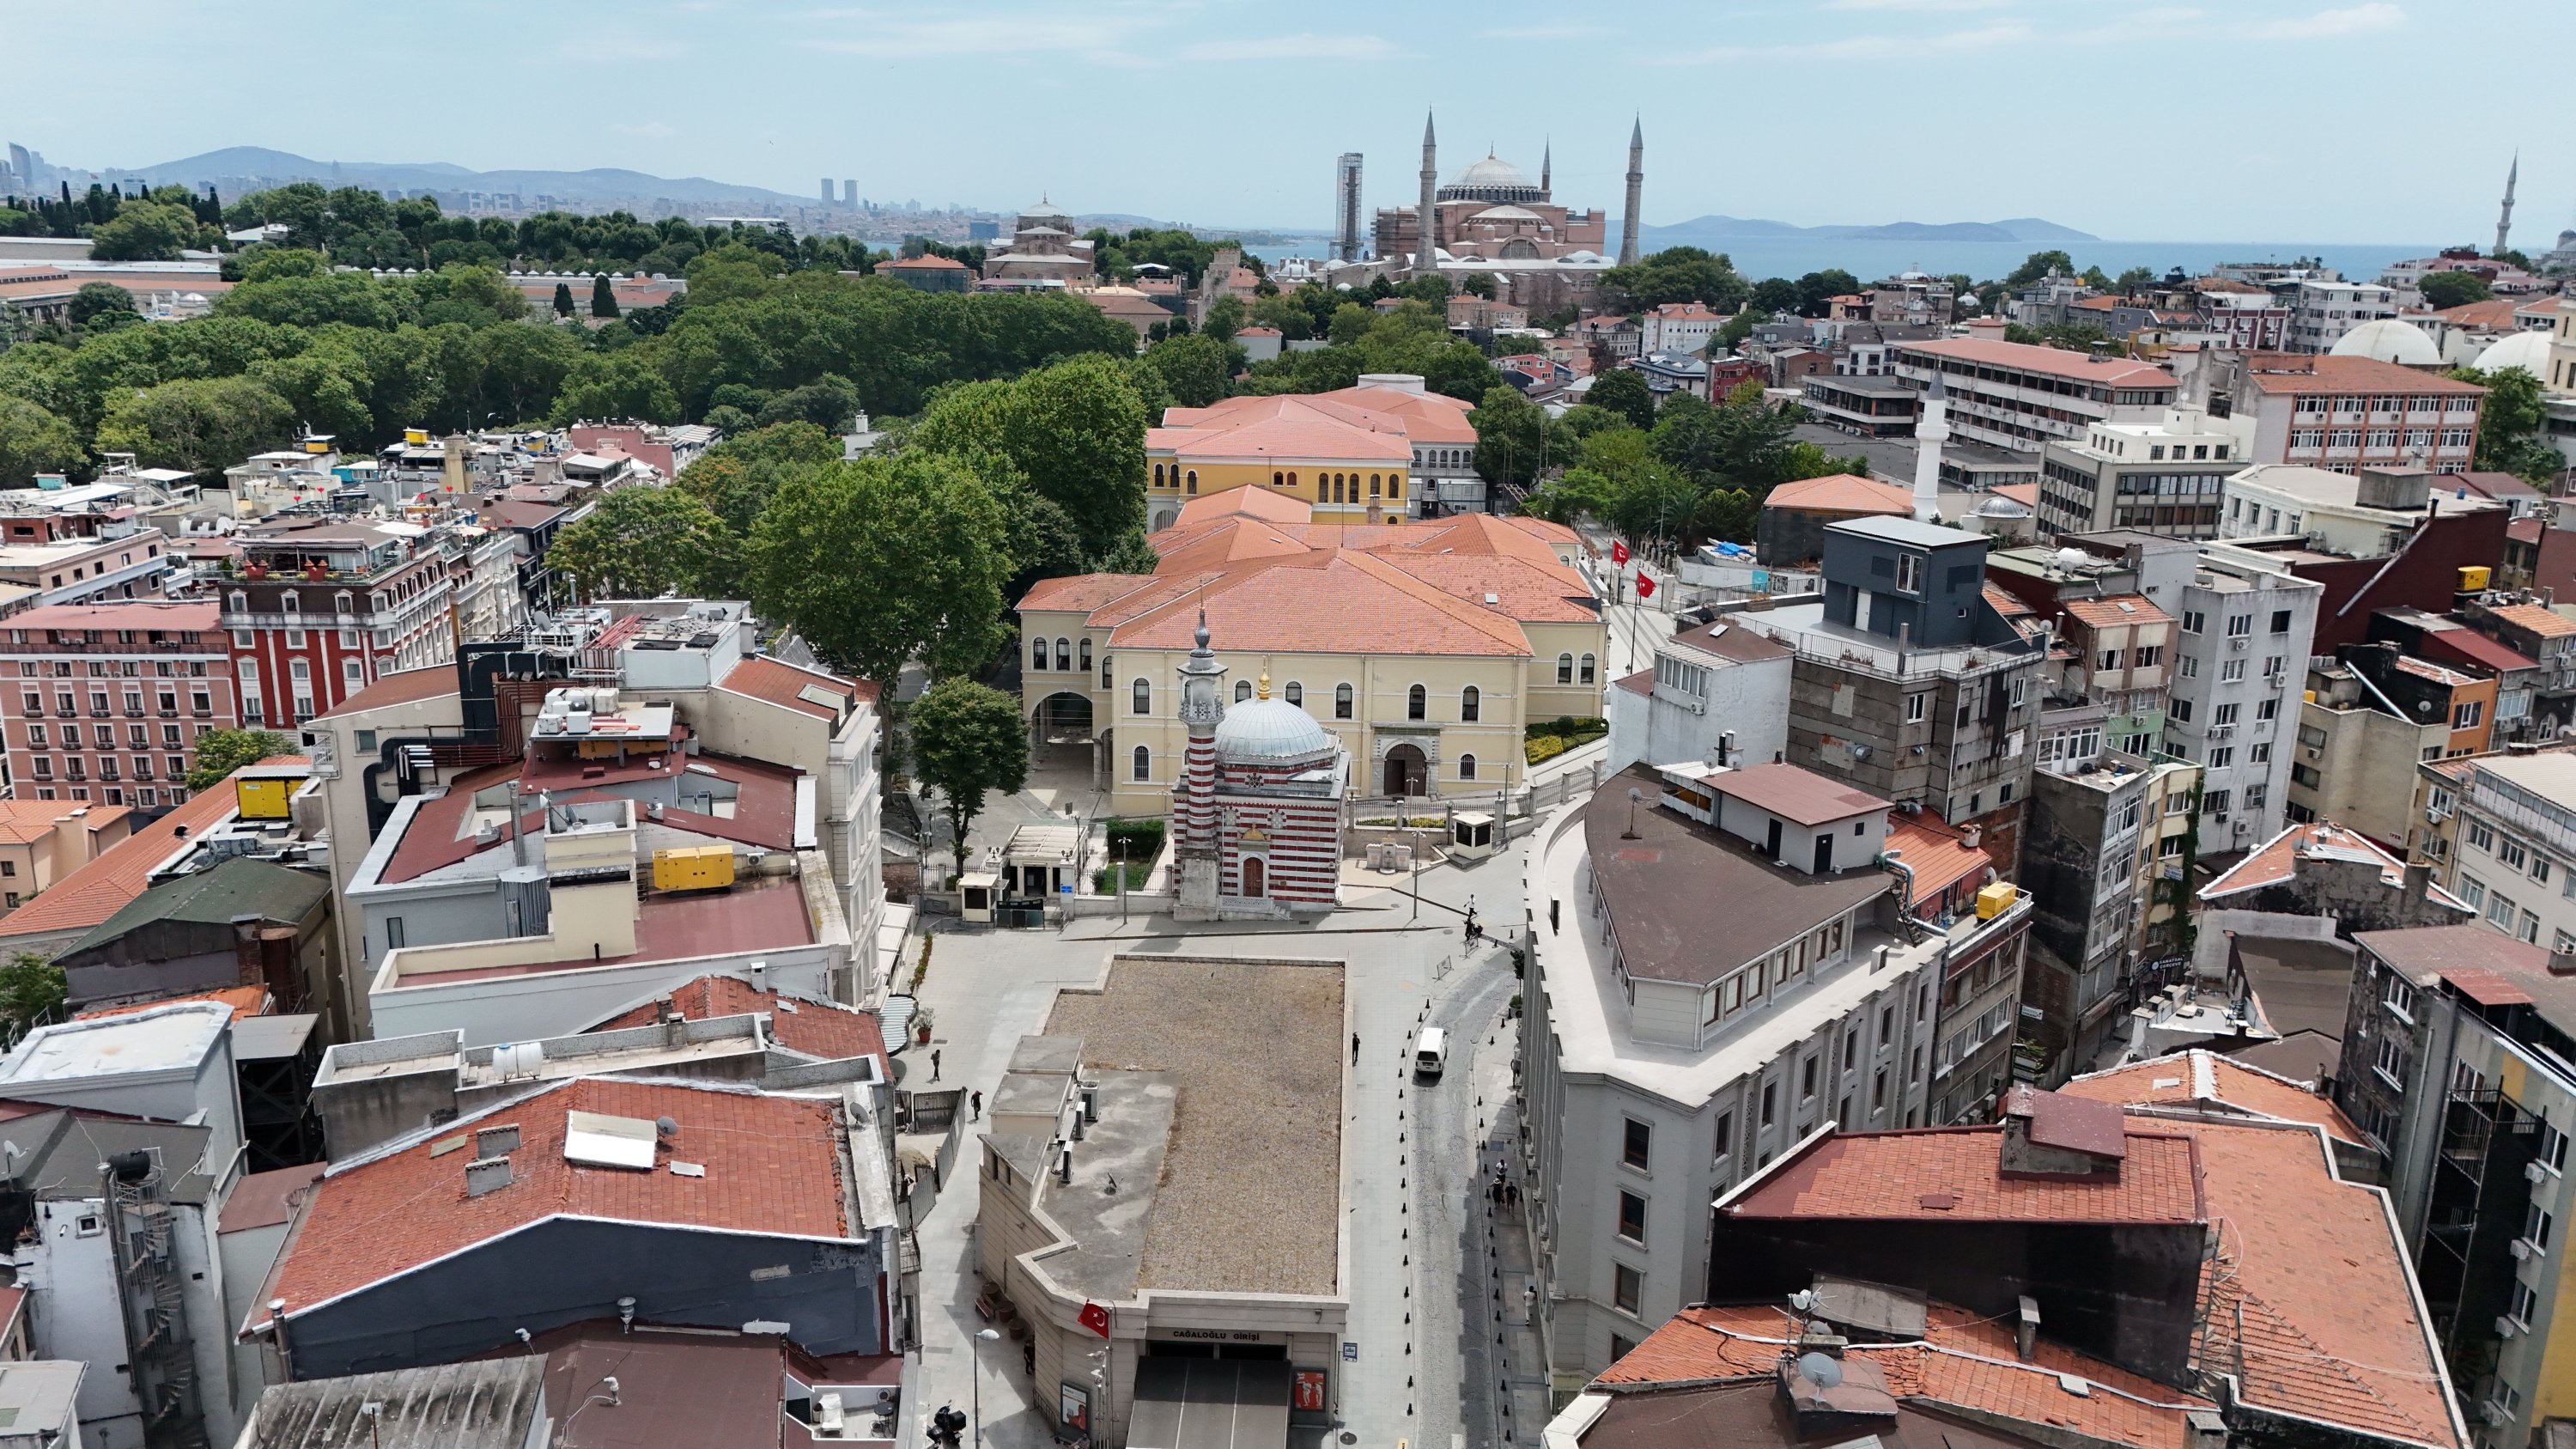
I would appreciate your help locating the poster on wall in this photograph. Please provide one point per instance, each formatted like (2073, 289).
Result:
(1073, 1408)
(1308, 1397)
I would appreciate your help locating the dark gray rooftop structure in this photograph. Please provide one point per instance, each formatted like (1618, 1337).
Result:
(486, 1404)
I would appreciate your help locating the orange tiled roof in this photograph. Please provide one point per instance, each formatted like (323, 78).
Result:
(101, 888)
(2277, 860)
(2304, 373)
(2545, 622)
(2496, 312)
(1962, 1361)
(1841, 493)
(2204, 1079)
(1083, 592)
(2053, 361)
(25, 821)
(822, 1030)
(409, 686)
(244, 1000)
(1936, 858)
(780, 682)
(773, 1166)
(2116, 611)
(1344, 603)
(1953, 1174)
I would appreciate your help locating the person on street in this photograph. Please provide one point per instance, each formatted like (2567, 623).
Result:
(976, 1114)
(934, 1064)
(1355, 1049)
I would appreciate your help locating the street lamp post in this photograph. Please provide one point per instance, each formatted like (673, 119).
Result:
(982, 1337)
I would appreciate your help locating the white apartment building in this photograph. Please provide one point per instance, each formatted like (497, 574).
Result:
(2240, 664)
(2369, 514)
(2019, 397)
(1707, 996)
(1712, 686)
(1682, 327)
(2326, 310)
(2503, 839)
(2163, 477)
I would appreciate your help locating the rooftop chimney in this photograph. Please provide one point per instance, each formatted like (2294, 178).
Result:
(2026, 1332)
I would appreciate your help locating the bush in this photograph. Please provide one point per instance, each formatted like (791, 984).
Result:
(1543, 747)
(1105, 882)
(1135, 840)
(1572, 729)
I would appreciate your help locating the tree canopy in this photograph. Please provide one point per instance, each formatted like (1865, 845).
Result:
(2512, 423)
(2452, 289)
(968, 741)
(220, 752)
(1676, 274)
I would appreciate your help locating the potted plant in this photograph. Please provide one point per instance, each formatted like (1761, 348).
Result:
(255, 571)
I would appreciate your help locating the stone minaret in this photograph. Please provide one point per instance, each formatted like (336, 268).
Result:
(2504, 220)
(1929, 435)
(1546, 156)
(1426, 217)
(1194, 798)
(1636, 190)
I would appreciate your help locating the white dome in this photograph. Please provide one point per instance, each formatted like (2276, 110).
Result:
(2390, 340)
(1269, 729)
(1506, 213)
(2526, 350)
(1491, 172)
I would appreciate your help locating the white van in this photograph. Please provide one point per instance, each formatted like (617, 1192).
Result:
(1430, 1054)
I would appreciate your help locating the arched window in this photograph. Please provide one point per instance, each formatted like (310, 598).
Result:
(1374, 479)
(1292, 478)
(1565, 669)
(341, 603)
(1471, 704)
(1466, 767)
(1337, 488)
(1417, 702)
(1104, 671)
(1242, 690)
(1037, 654)
(1144, 766)
(1194, 480)
(1142, 701)
(1295, 694)
(1587, 669)
(1395, 485)
(1277, 478)
(1064, 654)
(1085, 647)
(1341, 701)
(1158, 475)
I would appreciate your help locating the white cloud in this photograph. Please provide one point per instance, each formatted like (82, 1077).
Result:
(1304, 46)
(2327, 24)
(646, 128)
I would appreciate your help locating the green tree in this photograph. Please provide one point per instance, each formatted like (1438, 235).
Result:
(1739, 327)
(103, 306)
(2036, 266)
(145, 232)
(603, 297)
(1676, 274)
(1623, 390)
(1817, 289)
(1226, 316)
(33, 991)
(220, 752)
(1075, 431)
(883, 560)
(1479, 284)
(203, 425)
(2511, 423)
(563, 299)
(968, 741)
(1775, 294)
(2131, 280)
(615, 386)
(1196, 370)
(32, 441)
(2453, 289)
(643, 542)
(1511, 436)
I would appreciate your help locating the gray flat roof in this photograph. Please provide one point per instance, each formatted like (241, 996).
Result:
(1907, 530)
(484, 1404)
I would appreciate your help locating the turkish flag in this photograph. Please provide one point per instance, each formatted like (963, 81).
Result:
(1095, 1318)
(1618, 551)
(1645, 585)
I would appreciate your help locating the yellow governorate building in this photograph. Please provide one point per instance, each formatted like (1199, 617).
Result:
(1356, 455)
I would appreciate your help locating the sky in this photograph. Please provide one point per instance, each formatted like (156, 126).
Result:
(2131, 119)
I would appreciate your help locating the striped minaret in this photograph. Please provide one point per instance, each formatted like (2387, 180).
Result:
(1194, 798)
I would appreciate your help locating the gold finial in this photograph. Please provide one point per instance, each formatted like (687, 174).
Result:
(1265, 679)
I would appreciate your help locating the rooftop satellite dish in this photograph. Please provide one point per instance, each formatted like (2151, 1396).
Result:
(1820, 1370)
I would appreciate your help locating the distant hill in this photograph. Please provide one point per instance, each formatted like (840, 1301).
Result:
(601, 187)
(1701, 231)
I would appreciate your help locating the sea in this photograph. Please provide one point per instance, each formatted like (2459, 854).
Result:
(1870, 260)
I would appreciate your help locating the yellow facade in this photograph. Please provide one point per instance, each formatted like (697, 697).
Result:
(1339, 491)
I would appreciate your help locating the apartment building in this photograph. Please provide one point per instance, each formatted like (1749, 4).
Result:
(2104, 860)
(2019, 397)
(109, 700)
(2354, 760)
(2370, 512)
(321, 607)
(42, 841)
(2164, 477)
(2323, 310)
(1716, 691)
(1723, 969)
(2344, 413)
(2499, 833)
(2239, 658)
(51, 564)
(1682, 328)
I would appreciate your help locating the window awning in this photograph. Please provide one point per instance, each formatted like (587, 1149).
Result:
(1198, 1403)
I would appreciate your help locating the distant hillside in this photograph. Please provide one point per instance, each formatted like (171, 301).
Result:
(600, 187)
(1718, 230)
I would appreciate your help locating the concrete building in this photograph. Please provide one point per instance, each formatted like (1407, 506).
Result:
(2189, 1246)
(1359, 455)
(932, 274)
(1872, 406)
(2241, 652)
(658, 1203)
(2019, 397)
(2356, 752)
(1791, 529)
(1727, 962)
(2106, 861)
(2452, 1065)
(2343, 413)
(2326, 308)
(1043, 249)
(1908, 682)
(2370, 513)
(2163, 478)
(2497, 833)
(1682, 328)
(1425, 649)
(320, 608)
(42, 841)
(1716, 691)
(1155, 1261)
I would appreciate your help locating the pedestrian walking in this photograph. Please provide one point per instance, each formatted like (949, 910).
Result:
(1355, 1049)
(977, 1105)
(934, 1064)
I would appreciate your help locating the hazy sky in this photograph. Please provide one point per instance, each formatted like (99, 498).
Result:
(2335, 120)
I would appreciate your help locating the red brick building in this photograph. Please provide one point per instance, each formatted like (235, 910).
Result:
(318, 608)
(107, 701)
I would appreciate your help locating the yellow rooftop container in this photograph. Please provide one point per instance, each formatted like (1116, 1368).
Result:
(693, 868)
(263, 797)
(2473, 577)
(1995, 899)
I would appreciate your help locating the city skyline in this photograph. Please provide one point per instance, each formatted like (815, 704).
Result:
(948, 107)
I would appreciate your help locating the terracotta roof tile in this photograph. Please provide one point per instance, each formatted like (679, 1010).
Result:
(2205, 1079)
(1841, 493)
(2276, 860)
(101, 888)
(2275, 372)
(1794, 793)
(244, 1000)
(2053, 361)
(1083, 592)
(773, 1166)
(406, 687)
(2117, 611)
(1953, 1174)
(822, 1030)
(2545, 622)
(780, 682)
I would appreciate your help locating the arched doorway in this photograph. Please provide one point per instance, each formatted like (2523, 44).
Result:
(1061, 742)
(1256, 878)
(1407, 771)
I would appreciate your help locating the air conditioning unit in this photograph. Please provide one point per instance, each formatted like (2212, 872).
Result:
(2520, 1248)
(2506, 1327)
(2534, 1172)
(2494, 1413)
(2278, 681)
(2240, 643)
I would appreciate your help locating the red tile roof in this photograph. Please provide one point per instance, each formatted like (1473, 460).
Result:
(1083, 592)
(822, 1030)
(780, 682)
(23, 822)
(923, 263)
(1841, 493)
(101, 888)
(773, 1166)
(2052, 361)
(2473, 647)
(2277, 372)
(409, 686)
(2204, 1079)
(268, 1199)
(170, 617)
(1962, 1360)
(1935, 857)
(2118, 611)
(2545, 622)
(2276, 861)
(1794, 793)
(244, 1000)
(1953, 1174)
